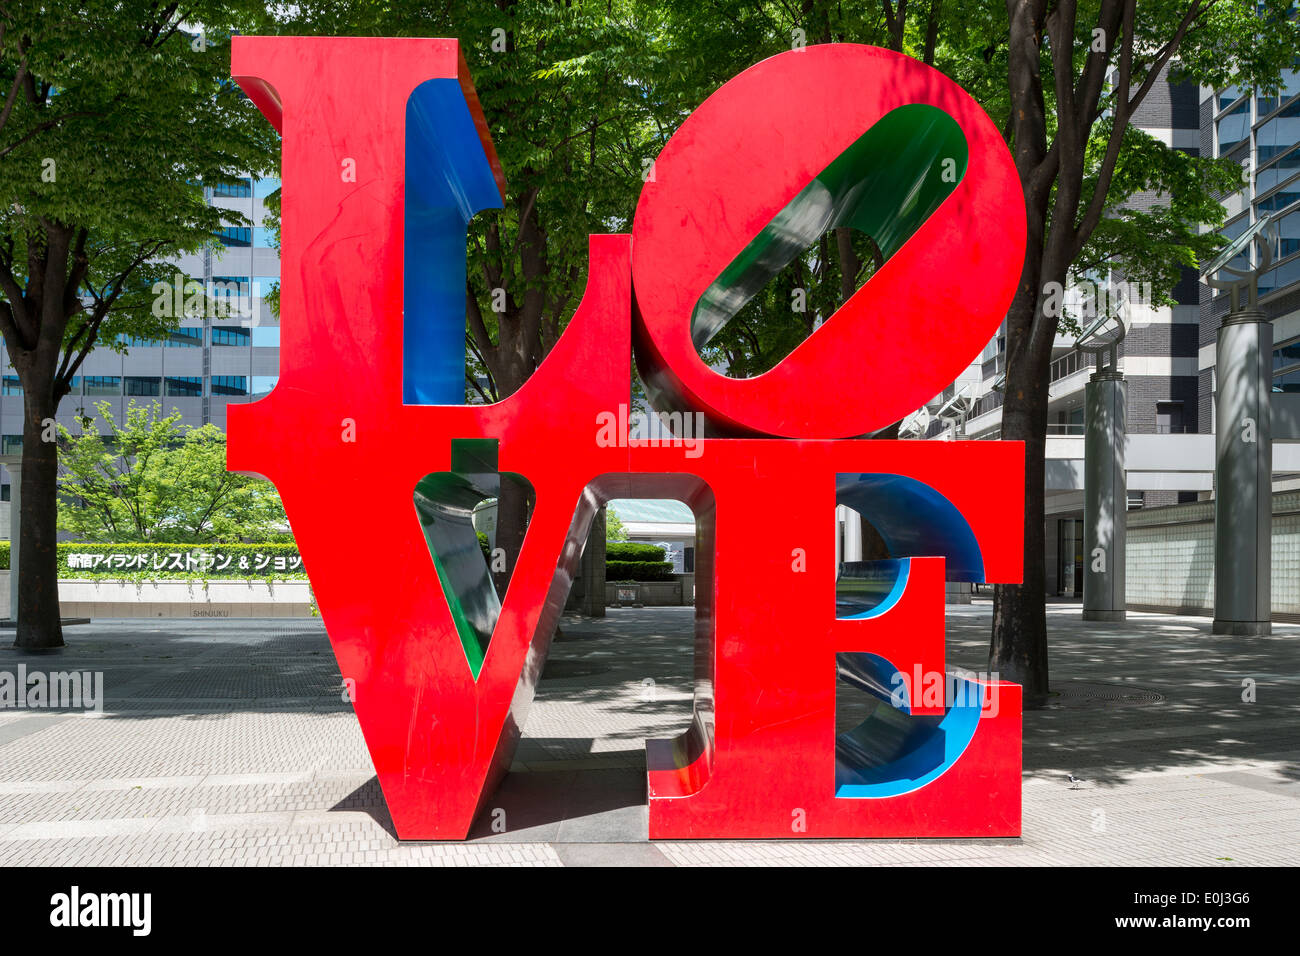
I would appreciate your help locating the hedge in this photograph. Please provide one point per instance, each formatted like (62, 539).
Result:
(163, 561)
(638, 571)
(633, 551)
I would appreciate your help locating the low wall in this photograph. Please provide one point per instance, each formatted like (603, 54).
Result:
(1170, 557)
(107, 598)
(643, 593)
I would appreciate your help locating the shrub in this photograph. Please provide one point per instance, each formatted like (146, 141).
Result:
(638, 570)
(633, 551)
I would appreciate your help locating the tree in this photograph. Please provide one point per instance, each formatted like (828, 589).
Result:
(151, 478)
(114, 114)
(1063, 81)
(571, 123)
(614, 530)
(578, 96)
(1077, 73)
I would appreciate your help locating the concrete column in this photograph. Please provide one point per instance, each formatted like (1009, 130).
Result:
(592, 569)
(1105, 496)
(852, 537)
(1243, 493)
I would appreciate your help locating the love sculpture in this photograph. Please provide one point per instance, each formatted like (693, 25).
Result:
(386, 157)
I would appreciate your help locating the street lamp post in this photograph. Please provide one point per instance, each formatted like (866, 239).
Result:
(1105, 487)
(1243, 498)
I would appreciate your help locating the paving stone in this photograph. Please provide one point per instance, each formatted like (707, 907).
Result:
(229, 743)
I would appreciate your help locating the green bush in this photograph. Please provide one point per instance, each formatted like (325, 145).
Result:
(638, 571)
(148, 562)
(4, 555)
(633, 551)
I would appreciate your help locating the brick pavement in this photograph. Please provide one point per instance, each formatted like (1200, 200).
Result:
(229, 742)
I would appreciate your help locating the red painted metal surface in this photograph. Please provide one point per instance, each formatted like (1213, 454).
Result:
(346, 454)
(909, 331)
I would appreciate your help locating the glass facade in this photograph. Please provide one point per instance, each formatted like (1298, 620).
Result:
(103, 385)
(194, 368)
(1264, 132)
(184, 386)
(229, 385)
(147, 385)
(1286, 367)
(242, 189)
(186, 338)
(230, 335)
(236, 237)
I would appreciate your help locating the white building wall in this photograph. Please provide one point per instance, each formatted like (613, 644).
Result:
(1170, 556)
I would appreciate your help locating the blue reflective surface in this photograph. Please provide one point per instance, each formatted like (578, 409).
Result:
(448, 181)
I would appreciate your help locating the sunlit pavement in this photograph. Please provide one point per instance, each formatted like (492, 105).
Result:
(229, 742)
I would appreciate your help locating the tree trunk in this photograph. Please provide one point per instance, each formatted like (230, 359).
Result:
(1018, 648)
(39, 624)
(512, 523)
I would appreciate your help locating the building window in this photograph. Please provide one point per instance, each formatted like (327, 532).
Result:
(1280, 199)
(178, 386)
(1169, 418)
(236, 237)
(1290, 86)
(1234, 127)
(1279, 134)
(1231, 231)
(230, 285)
(1229, 96)
(1284, 356)
(185, 338)
(264, 187)
(230, 335)
(12, 385)
(103, 385)
(1283, 275)
(143, 385)
(11, 445)
(242, 189)
(1286, 367)
(229, 385)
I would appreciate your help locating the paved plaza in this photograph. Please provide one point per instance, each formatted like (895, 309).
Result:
(229, 742)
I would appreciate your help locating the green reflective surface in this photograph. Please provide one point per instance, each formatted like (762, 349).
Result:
(445, 503)
(885, 185)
